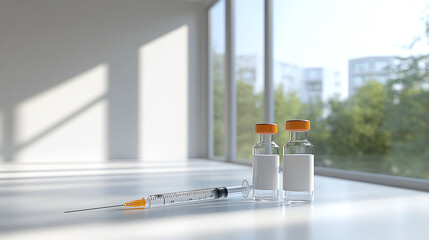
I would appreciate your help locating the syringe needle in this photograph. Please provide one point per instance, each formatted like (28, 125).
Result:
(135, 203)
(87, 209)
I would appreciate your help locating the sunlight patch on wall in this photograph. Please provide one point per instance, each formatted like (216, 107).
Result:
(163, 98)
(65, 122)
(80, 139)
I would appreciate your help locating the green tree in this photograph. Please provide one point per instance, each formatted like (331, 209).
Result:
(319, 133)
(407, 112)
(249, 112)
(355, 124)
(408, 117)
(286, 107)
(219, 105)
(408, 108)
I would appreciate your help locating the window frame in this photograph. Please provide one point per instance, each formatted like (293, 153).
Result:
(231, 94)
(231, 91)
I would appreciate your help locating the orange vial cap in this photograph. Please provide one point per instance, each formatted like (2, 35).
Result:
(298, 125)
(266, 128)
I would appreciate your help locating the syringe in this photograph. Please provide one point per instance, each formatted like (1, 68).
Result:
(177, 198)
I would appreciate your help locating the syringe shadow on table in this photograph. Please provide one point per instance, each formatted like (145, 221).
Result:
(214, 206)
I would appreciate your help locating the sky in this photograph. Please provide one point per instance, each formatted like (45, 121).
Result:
(326, 33)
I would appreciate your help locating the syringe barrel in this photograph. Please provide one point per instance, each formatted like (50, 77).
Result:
(198, 195)
(186, 196)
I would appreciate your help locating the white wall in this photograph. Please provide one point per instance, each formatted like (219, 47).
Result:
(89, 80)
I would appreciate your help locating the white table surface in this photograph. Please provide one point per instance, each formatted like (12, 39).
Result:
(33, 197)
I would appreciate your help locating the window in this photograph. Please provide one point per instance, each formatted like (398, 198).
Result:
(381, 66)
(217, 74)
(364, 94)
(314, 86)
(358, 81)
(375, 127)
(313, 74)
(382, 79)
(249, 68)
(361, 67)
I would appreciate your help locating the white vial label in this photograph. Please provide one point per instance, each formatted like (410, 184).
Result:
(266, 172)
(298, 172)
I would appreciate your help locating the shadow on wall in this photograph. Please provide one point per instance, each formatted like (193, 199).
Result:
(86, 81)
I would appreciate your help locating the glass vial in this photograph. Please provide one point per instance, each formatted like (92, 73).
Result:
(266, 164)
(298, 164)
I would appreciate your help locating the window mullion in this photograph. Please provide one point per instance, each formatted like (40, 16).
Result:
(268, 62)
(210, 87)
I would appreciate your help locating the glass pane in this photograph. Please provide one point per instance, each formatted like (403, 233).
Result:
(249, 70)
(217, 66)
(359, 71)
